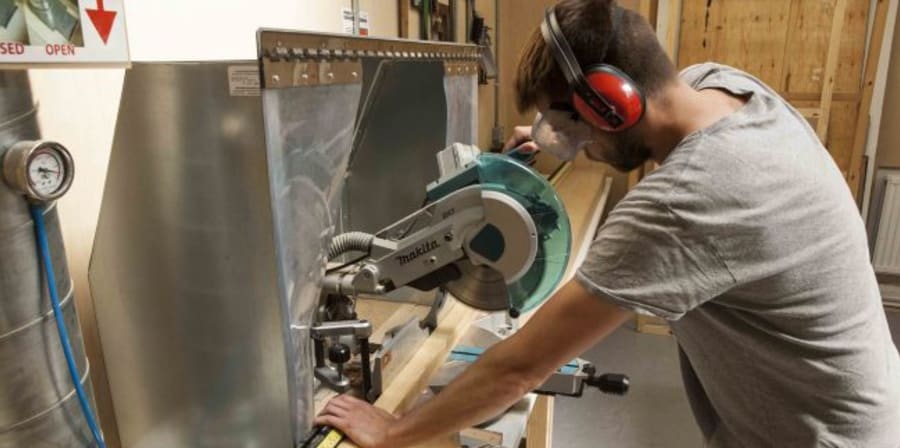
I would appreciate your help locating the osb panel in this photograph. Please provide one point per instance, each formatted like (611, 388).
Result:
(840, 130)
(807, 46)
(748, 34)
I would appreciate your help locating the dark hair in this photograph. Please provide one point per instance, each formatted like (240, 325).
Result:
(586, 25)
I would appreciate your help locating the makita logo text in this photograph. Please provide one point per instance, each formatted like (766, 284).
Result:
(420, 250)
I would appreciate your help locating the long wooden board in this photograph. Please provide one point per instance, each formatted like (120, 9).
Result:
(863, 118)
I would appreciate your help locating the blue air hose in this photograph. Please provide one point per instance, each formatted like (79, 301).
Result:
(40, 229)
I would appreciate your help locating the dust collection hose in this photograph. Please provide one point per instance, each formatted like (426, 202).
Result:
(40, 230)
(350, 242)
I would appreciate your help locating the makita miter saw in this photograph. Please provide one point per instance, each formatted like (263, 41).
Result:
(492, 234)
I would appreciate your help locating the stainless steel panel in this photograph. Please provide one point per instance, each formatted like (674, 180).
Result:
(184, 269)
(401, 127)
(35, 388)
(309, 133)
(462, 108)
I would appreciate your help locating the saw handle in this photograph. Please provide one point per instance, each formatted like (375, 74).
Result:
(608, 383)
(520, 154)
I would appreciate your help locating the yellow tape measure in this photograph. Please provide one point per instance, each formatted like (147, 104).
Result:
(331, 440)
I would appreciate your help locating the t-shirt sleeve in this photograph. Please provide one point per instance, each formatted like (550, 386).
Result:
(649, 258)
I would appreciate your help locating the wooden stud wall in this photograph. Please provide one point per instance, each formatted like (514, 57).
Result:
(786, 44)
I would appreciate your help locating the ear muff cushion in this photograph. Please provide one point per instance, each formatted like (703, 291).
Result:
(619, 90)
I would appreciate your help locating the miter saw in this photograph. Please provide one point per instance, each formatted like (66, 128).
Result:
(492, 233)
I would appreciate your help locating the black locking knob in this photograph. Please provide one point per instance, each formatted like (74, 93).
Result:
(339, 353)
(610, 383)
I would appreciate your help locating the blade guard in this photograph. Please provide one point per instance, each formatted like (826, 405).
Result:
(500, 173)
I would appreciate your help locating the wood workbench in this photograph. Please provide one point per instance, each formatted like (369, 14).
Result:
(583, 187)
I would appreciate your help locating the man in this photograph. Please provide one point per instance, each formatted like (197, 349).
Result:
(746, 239)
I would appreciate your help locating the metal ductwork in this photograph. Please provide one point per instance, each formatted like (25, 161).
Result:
(38, 404)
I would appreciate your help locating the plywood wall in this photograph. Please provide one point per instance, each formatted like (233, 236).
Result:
(785, 44)
(888, 155)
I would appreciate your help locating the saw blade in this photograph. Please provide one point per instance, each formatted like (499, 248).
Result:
(479, 287)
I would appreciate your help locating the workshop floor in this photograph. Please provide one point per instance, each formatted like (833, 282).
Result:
(654, 414)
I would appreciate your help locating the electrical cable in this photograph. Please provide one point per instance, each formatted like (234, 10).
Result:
(358, 259)
(351, 262)
(37, 213)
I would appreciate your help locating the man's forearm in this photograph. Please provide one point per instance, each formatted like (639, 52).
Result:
(487, 388)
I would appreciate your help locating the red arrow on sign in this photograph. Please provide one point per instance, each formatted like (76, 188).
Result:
(102, 19)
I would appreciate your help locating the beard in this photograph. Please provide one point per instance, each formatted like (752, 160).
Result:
(625, 151)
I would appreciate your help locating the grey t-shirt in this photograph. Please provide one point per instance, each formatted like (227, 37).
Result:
(748, 240)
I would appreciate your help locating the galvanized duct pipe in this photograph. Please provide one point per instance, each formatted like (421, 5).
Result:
(38, 405)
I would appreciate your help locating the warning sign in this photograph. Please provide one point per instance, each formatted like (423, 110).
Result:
(50, 32)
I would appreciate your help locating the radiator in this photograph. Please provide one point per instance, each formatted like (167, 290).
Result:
(886, 257)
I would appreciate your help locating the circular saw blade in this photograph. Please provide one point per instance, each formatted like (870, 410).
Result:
(502, 174)
(479, 287)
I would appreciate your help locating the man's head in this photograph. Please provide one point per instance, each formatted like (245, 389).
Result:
(634, 49)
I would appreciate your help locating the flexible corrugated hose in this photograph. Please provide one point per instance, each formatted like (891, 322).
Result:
(350, 242)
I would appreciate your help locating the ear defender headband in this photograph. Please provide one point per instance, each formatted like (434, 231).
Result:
(602, 94)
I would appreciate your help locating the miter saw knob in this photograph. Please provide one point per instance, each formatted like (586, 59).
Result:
(339, 353)
(610, 383)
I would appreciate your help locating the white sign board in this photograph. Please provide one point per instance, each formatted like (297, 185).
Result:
(50, 32)
(347, 21)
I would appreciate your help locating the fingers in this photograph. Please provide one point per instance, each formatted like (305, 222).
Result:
(521, 134)
(336, 408)
(330, 420)
(528, 147)
(510, 144)
(342, 405)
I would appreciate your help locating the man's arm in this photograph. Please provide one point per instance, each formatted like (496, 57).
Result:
(569, 323)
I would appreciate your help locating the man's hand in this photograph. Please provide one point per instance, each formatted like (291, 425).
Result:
(363, 423)
(521, 138)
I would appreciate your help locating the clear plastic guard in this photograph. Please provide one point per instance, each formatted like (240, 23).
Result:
(309, 134)
(501, 173)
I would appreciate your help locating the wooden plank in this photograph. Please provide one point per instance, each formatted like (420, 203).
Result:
(482, 435)
(635, 176)
(673, 28)
(584, 191)
(384, 316)
(413, 379)
(807, 47)
(517, 25)
(652, 325)
(810, 112)
(810, 96)
(403, 20)
(648, 8)
(540, 424)
(863, 118)
(788, 55)
(840, 135)
(746, 34)
(831, 62)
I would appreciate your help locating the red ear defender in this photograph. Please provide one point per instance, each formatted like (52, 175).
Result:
(618, 89)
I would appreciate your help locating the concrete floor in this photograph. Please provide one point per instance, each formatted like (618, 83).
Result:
(654, 414)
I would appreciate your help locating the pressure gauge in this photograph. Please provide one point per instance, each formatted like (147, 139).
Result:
(40, 170)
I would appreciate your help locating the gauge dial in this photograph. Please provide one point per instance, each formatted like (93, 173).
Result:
(46, 172)
(40, 170)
